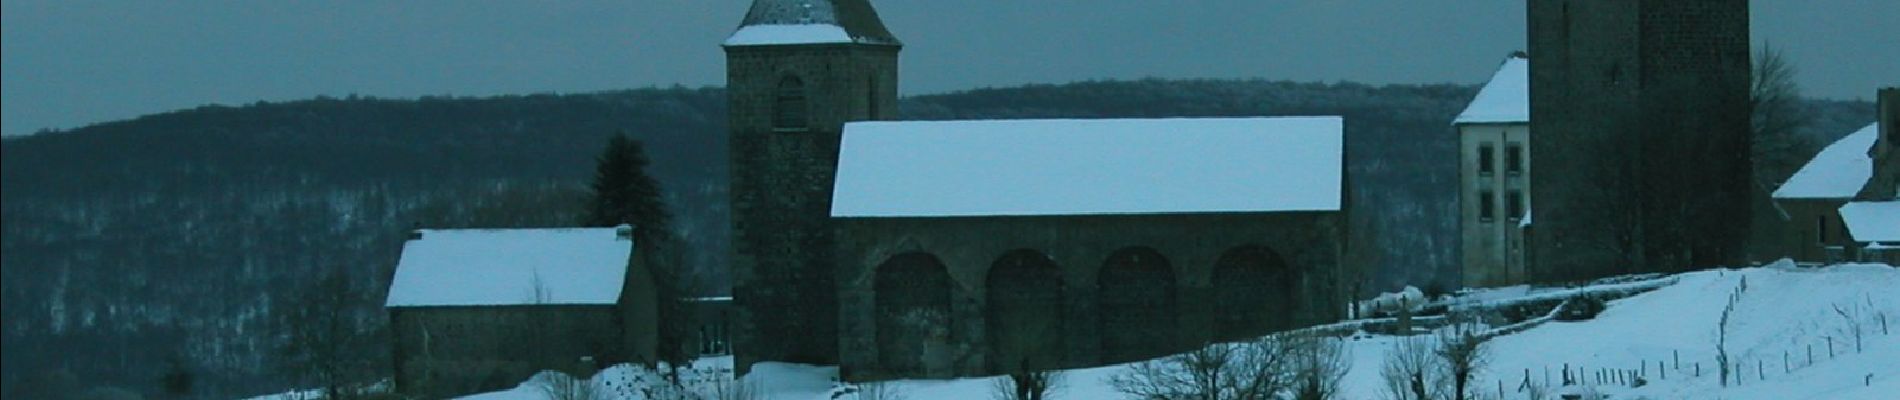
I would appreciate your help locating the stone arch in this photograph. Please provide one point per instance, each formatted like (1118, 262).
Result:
(1024, 314)
(913, 312)
(1136, 298)
(1255, 289)
(790, 105)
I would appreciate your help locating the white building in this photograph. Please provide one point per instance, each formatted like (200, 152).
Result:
(1494, 177)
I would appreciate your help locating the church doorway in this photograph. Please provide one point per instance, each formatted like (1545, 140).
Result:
(1025, 312)
(1136, 295)
(913, 313)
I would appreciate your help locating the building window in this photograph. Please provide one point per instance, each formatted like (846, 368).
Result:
(1514, 159)
(1485, 159)
(1514, 205)
(1487, 207)
(1820, 229)
(789, 109)
(870, 98)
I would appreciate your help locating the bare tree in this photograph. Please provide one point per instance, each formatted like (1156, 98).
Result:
(1256, 370)
(1462, 354)
(1408, 369)
(1318, 367)
(1779, 148)
(1029, 385)
(326, 339)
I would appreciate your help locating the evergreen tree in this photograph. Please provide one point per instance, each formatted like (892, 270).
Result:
(623, 191)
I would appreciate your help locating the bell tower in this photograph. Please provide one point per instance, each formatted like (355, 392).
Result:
(796, 71)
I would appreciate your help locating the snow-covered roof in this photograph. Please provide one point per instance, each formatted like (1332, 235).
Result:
(1838, 172)
(1082, 167)
(785, 22)
(483, 267)
(1505, 99)
(788, 34)
(1872, 221)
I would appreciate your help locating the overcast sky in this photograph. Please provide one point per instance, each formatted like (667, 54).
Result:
(68, 63)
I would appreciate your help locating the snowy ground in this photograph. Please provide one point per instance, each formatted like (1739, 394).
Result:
(1782, 310)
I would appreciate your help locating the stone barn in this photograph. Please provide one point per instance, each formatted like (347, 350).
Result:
(475, 310)
(982, 247)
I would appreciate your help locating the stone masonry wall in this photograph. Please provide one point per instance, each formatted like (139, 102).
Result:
(1080, 246)
(781, 191)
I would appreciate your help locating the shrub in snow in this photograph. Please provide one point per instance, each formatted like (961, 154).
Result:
(1580, 308)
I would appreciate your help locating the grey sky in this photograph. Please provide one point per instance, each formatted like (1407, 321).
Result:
(68, 63)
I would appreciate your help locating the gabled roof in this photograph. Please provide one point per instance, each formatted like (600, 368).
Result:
(1085, 167)
(786, 22)
(1506, 98)
(1873, 221)
(1838, 172)
(488, 267)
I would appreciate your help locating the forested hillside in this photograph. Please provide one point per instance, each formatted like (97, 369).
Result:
(181, 236)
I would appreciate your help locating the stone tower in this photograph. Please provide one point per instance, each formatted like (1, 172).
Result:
(796, 71)
(1642, 118)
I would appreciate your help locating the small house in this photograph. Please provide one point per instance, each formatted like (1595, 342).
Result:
(474, 310)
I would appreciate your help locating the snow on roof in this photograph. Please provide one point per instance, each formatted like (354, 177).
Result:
(1505, 99)
(475, 267)
(1838, 172)
(1081, 167)
(1872, 221)
(754, 35)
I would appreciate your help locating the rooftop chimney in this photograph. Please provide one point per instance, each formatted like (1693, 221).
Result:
(623, 232)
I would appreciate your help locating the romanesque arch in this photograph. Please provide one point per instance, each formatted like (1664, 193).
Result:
(1024, 316)
(913, 312)
(1255, 289)
(789, 107)
(1136, 298)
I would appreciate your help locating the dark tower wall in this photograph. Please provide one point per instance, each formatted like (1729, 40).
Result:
(781, 189)
(1641, 112)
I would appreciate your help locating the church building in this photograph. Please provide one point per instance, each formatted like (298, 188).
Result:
(965, 248)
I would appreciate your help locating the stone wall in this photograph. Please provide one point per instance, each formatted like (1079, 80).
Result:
(1647, 83)
(1885, 183)
(781, 190)
(1168, 274)
(450, 351)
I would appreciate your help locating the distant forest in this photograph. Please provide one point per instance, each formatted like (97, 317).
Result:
(173, 241)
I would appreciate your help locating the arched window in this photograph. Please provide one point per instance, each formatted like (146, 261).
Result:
(789, 109)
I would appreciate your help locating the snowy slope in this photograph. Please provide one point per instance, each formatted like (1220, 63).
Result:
(1782, 309)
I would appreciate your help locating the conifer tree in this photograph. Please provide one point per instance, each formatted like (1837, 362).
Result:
(623, 191)
(625, 194)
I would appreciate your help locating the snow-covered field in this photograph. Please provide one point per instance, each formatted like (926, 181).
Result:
(1783, 310)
